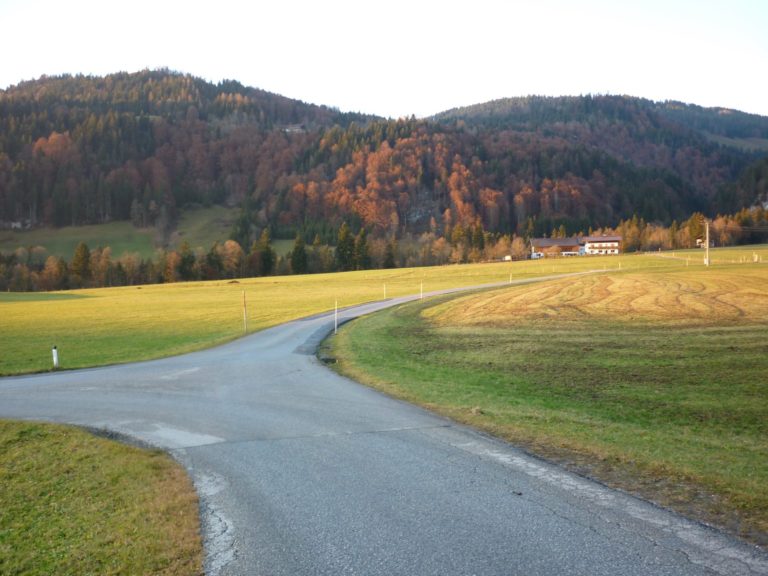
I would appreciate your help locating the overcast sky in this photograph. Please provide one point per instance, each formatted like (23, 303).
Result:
(401, 57)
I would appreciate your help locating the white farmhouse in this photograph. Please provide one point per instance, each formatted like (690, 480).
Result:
(602, 244)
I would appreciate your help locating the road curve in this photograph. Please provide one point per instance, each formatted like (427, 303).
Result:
(303, 472)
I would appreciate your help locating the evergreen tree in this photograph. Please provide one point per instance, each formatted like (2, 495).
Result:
(81, 264)
(241, 230)
(345, 249)
(362, 253)
(390, 255)
(268, 255)
(299, 256)
(213, 268)
(478, 237)
(186, 265)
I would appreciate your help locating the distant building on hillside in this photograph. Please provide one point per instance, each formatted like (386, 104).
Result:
(574, 246)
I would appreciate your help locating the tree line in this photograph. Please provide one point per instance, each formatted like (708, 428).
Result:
(33, 269)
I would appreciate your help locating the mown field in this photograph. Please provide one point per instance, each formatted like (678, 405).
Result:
(74, 504)
(113, 325)
(652, 380)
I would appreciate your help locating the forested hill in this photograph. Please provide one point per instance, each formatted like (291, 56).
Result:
(143, 146)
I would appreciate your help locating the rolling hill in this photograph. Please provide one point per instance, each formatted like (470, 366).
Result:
(145, 147)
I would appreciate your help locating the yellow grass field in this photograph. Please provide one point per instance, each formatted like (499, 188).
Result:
(724, 295)
(113, 325)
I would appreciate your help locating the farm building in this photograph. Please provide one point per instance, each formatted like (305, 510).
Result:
(606, 245)
(556, 247)
(602, 244)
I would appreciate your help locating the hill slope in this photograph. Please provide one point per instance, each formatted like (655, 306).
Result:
(141, 147)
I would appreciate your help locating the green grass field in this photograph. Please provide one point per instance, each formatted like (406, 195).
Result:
(74, 504)
(201, 227)
(651, 379)
(112, 325)
(121, 237)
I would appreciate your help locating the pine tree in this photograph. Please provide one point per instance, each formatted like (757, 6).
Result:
(345, 249)
(299, 256)
(81, 264)
(390, 255)
(362, 253)
(186, 266)
(268, 255)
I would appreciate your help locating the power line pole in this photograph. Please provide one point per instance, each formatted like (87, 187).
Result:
(706, 235)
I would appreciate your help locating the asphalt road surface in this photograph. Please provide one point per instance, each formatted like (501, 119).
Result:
(301, 471)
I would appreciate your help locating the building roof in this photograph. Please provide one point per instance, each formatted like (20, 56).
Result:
(552, 242)
(602, 239)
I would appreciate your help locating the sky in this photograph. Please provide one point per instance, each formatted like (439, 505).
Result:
(399, 58)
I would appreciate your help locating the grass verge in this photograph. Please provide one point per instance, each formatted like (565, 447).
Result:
(649, 381)
(73, 503)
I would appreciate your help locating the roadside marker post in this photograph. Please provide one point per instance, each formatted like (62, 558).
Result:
(421, 292)
(245, 316)
(55, 353)
(336, 317)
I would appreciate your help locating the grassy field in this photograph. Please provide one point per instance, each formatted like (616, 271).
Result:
(201, 227)
(112, 325)
(653, 380)
(74, 504)
(120, 236)
(93, 327)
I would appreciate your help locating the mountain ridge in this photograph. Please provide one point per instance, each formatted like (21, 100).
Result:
(142, 146)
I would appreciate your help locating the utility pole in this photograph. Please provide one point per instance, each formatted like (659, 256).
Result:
(706, 236)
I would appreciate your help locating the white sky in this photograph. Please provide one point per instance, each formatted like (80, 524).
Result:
(401, 57)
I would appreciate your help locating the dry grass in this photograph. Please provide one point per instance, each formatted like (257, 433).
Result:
(651, 381)
(714, 296)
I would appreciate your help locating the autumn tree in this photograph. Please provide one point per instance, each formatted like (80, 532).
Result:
(54, 274)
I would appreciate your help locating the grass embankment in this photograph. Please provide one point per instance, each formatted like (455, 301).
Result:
(72, 503)
(112, 325)
(651, 381)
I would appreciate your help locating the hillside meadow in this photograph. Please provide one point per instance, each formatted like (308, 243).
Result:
(649, 379)
(121, 237)
(112, 325)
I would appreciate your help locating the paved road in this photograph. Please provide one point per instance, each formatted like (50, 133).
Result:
(303, 472)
